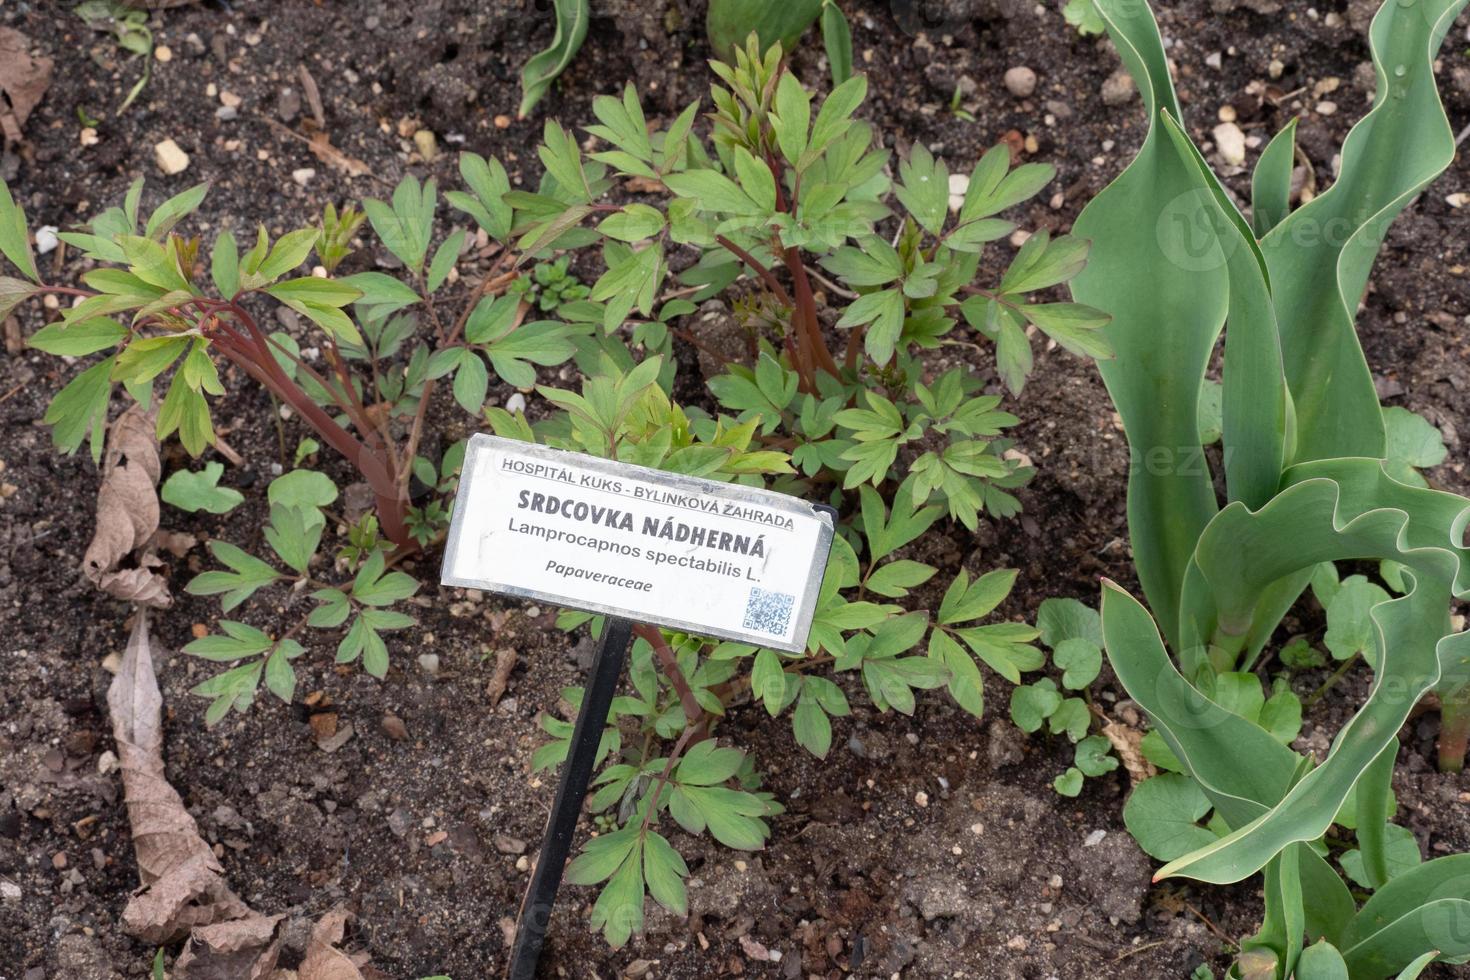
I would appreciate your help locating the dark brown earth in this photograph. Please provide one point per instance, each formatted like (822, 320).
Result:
(991, 877)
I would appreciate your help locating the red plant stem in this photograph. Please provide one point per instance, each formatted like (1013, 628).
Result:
(766, 275)
(1454, 729)
(670, 663)
(806, 304)
(256, 360)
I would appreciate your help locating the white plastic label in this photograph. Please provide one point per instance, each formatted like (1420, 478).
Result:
(711, 558)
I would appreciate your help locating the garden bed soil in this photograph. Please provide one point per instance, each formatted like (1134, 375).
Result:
(930, 846)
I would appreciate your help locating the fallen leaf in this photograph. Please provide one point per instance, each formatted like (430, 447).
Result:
(505, 662)
(127, 513)
(183, 887)
(1126, 741)
(23, 81)
(313, 96)
(324, 961)
(241, 949)
(321, 147)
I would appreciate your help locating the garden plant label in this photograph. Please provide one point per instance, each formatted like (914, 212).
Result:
(712, 558)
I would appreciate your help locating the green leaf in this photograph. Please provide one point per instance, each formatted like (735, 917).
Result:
(14, 292)
(1079, 660)
(895, 579)
(1271, 181)
(884, 312)
(664, 871)
(308, 490)
(374, 587)
(1401, 851)
(1066, 619)
(1093, 756)
(1413, 444)
(1068, 783)
(444, 258)
(289, 251)
(837, 38)
(924, 189)
(810, 725)
(1321, 961)
(1350, 628)
(768, 681)
(172, 211)
(293, 534)
(247, 574)
(78, 337)
(712, 191)
(634, 223)
(1071, 719)
(543, 68)
(488, 182)
(224, 265)
(1163, 815)
(1032, 704)
(965, 600)
(80, 409)
(471, 381)
(238, 642)
(965, 683)
(196, 491)
(15, 241)
(790, 120)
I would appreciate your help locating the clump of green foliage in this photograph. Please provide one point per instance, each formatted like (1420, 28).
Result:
(839, 400)
(1315, 472)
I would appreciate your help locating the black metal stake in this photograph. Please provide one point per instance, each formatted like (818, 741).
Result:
(535, 914)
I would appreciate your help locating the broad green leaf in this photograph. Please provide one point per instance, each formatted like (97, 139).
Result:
(77, 338)
(543, 68)
(15, 242)
(1413, 444)
(1163, 815)
(1319, 278)
(1271, 181)
(1066, 619)
(194, 491)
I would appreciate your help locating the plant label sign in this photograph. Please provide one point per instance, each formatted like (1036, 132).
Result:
(711, 558)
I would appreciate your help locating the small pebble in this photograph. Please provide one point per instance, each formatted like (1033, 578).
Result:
(1118, 89)
(170, 158)
(303, 175)
(502, 122)
(46, 240)
(921, 798)
(163, 53)
(1230, 141)
(1020, 81)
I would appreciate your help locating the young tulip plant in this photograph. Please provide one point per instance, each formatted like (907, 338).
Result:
(1308, 480)
(869, 424)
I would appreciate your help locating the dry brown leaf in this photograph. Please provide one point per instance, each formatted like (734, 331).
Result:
(241, 949)
(505, 662)
(313, 96)
(1126, 741)
(324, 961)
(184, 890)
(322, 148)
(127, 512)
(23, 81)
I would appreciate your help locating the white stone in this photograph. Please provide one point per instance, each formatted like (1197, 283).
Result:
(1230, 141)
(959, 184)
(171, 160)
(46, 240)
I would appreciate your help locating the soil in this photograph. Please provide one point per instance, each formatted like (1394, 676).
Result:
(927, 846)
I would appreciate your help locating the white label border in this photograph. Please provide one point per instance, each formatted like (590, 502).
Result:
(737, 493)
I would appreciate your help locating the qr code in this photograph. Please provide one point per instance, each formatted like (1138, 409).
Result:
(768, 612)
